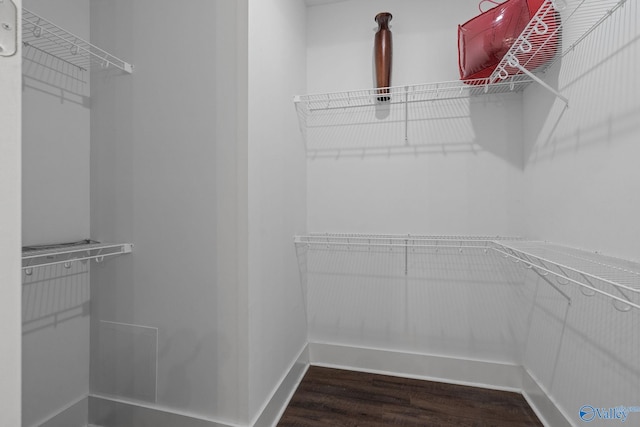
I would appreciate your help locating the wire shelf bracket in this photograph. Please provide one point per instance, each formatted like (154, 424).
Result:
(41, 34)
(576, 20)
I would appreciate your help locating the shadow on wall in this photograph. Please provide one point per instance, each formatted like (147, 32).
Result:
(599, 78)
(422, 300)
(446, 126)
(585, 353)
(48, 74)
(54, 294)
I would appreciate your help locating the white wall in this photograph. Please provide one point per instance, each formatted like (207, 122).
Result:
(10, 220)
(56, 135)
(581, 181)
(55, 188)
(460, 171)
(277, 193)
(425, 45)
(443, 303)
(168, 168)
(505, 169)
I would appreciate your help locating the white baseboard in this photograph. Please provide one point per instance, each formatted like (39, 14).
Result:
(545, 408)
(476, 373)
(498, 376)
(73, 415)
(276, 405)
(164, 417)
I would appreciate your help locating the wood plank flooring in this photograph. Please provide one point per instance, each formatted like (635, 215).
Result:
(335, 397)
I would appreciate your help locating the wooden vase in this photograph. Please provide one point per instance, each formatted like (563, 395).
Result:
(383, 53)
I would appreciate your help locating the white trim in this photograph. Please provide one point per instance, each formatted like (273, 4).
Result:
(130, 324)
(65, 408)
(153, 328)
(271, 411)
(160, 408)
(274, 407)
(461, 371)
(476, 373)
(545, 407)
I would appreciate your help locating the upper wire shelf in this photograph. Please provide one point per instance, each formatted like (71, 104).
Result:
(558, 265)
(69, 253)
(41, 34)
(328, 240)
(408, 94)
(555, 30)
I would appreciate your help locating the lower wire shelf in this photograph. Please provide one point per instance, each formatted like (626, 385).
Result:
(594, 273)
(68, 253)
(557, 265)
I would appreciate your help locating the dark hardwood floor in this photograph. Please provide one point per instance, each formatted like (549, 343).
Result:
(335, 397)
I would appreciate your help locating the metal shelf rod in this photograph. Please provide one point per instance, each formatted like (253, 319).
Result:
(69, 254)
(98, 258)
(393, 245)
(421, 93)
(400, 237)
(127, 247)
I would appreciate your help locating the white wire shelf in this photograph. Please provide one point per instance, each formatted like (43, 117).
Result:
(69, 253)
(538, 47)
(559, 266)
(407, 94)
(593, 273)
(43, 35)
(329, 240)
(554, 31)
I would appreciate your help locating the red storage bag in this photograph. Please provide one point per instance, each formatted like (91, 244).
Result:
(484, 40)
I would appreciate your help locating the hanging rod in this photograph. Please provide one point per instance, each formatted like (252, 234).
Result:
(35, 258)
(41, 34)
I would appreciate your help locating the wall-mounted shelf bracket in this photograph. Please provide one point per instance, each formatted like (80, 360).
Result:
(8, 28)
(514, 62)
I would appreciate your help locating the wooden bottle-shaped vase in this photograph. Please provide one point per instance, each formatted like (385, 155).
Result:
(383, 53)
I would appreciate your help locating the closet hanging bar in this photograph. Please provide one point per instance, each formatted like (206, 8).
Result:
(43, 35)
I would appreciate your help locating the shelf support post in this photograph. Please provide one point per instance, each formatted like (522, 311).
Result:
(406, 115)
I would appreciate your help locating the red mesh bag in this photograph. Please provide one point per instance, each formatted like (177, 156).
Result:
(484, 40)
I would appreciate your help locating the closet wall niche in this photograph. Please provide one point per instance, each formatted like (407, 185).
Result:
(58, 249)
